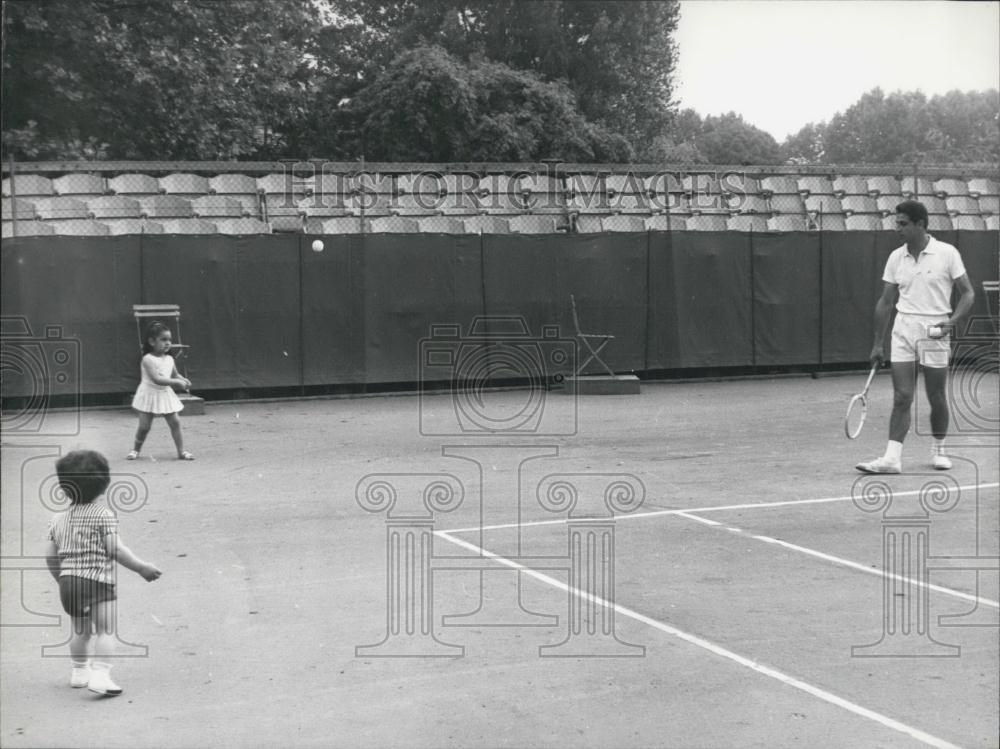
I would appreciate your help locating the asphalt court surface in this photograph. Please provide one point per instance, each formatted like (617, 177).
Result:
(273, 575)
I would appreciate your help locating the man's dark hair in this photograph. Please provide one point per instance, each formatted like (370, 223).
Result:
(913, 210)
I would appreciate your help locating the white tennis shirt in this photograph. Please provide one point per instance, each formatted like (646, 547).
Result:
(925, 283)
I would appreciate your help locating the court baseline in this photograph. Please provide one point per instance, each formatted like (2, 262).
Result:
(791, 681)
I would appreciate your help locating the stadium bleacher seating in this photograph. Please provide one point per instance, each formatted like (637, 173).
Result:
(623, 223)
(114, 206)
(25, 210)
(187, 226)
(165, 206)
(706, 222)
(441, 225)
(746, 222)
(27, 229)
(883, 185)
(29, 185)
(131, 184)
(60, 208)
(851, 204)
(186, 185)
(77, 185)
(968, 223)
(850, 185)
(245, 225)
(667, 222)
(483, 224)
(922, 187)
(193, 199)
(862, 222)
(825, 203)
(394, 225)
(118, 226)
(80, 227)
(962, 205)
(589, 223)
(950, 187)
(530, 224)
(217, 206)
(812, 185)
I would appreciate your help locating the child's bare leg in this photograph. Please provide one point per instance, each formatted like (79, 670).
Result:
(79, 644)
(79, 652)
(145, 422)
(174, 422)
(103, 616)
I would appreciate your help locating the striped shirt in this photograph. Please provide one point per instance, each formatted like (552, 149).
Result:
(79, 535)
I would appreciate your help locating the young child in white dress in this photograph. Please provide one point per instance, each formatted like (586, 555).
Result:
(155, 395)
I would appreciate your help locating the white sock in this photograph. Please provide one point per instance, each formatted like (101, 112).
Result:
(894, 451)
(80, 664)
(938, 446)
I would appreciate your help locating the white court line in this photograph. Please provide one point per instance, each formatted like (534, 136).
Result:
(715, 508)
(706, 521)
(874, 571)
(760, 668)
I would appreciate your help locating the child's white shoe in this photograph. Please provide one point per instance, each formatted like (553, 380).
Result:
(80, 676)
(100, 680)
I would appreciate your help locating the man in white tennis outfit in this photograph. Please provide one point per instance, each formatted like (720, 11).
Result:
(919, 278)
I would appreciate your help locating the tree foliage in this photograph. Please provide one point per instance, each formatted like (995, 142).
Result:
(616, 58)
(429, 106)
(165, 79)
(723, 139)
(905, 127)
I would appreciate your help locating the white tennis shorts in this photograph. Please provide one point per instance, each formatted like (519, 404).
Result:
(910, 341)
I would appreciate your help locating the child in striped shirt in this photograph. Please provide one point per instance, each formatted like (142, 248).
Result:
(83, 546)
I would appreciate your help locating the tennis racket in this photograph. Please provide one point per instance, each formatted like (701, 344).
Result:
(857, 409)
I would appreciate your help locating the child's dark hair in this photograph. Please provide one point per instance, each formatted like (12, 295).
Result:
(83, 475)
(153, 330)
(913, 210)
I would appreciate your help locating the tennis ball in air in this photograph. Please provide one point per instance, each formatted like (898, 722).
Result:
(318, 245)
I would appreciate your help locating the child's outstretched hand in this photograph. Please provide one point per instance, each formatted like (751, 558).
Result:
(150, 572)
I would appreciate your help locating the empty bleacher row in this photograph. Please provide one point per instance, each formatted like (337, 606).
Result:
(586, 202)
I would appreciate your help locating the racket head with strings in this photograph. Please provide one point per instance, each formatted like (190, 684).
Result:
(857, 409)
(854, 419)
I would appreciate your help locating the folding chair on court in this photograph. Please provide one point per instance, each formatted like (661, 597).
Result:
(594, 343)
(170, 314)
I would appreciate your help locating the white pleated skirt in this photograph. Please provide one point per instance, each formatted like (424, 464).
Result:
(156, 400)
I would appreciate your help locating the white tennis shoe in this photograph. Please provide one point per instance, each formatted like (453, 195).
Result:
(100, 680)
(941, 461)
(79, 677)
(880, 465)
